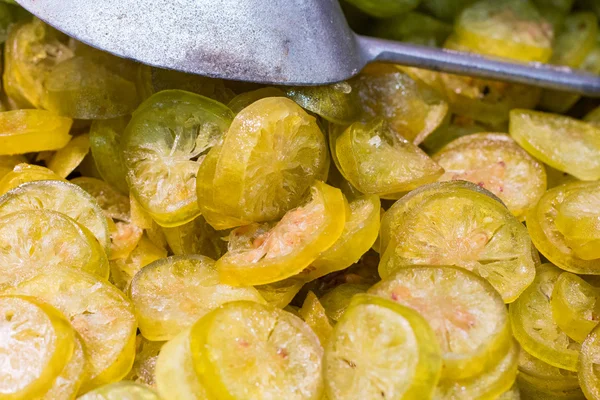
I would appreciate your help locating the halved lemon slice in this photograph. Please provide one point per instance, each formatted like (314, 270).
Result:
(105, 145)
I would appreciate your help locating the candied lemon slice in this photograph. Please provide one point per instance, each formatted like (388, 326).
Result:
(123, 270)
(280, 293)
(359, 234)
(246, 350)
(7, 163)
(496, 163)
(105, 144)
(540, 134)
(385, 8)
(23, 173)
(121, 391)
(195, 237)
(26, 131)
(468, 229)
(534, 327)
(114, 204)
(67, 384)
(84, 87)
(544, 376)
(33, 240)
(376, 160)
(37, 341)
(171, 294)
(467, 315)
(577, 38)
(410, 107)
(546, 235)
(380, 349)
(144, 365)
(313, 313)
(575, 306)
(488, 385)
(162, 147)
(578, 219)
(588, 368)
(279, 150)
(65, 160)
(336, 103)
(243, 100)
(124, 239)
(336, 301)
(505, 28)
(175, 374)
(267, 256)
(62, 197)
(98, 311)
(32, 50)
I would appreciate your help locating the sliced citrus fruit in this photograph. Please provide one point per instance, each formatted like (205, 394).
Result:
(26, 173)
(33, 240)
(37, 341)
(496, 163)
(175, 374)
(163, 146)
(32, 50)
(465, 228)
(507, 28)
(313, 313)
(490, 384)
(467, 315)
(196, 237)
(98, 311)
(457, 127)
(114, 204)
(575, 306)
(576, 39)
(380, 349)
(337, 103)
(243, 100)
(260, 256)
(171, 294)
(336, 301)
(360, 232)
(122, 270)
(121, 390)
(62, 197)
(562, 142)
(65, 160)
(588, 367)
(411, 108)
(280, 293)
(246, 350)
(376, 160)
(545, 376)
(26, 131)
(534, 327)
(144, 366)
(548, 238)
(279, 150)
(105, 144)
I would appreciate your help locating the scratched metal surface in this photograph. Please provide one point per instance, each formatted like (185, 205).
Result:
(280, 41)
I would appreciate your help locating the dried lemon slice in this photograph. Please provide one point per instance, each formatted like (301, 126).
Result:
(144, 366)
(195, 237)
(548, 238)
(62, 197)
(121, 391)
(337, 103)
(175, 374)
(267, 256)
(488, 385)
(376, 160)
(246, 350)
(279, 150)
(534, 327)
(313, 313)
(589, 377)
(564, 143)
(65, 160)
(114, 204)
(336, 301)
(466, 228)
(496, 163)
(575, 306)
(98, 311)
(380, 349)
(545, 377)
(37, 341)
(26, 131)
(280, 293)
(467, 315)
(105, 144)
(23, 173)
(122, 270)
(171, 294)
(33, 240)
(359, 234)
(162, 148)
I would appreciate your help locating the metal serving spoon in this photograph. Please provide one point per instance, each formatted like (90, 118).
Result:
(299, 42)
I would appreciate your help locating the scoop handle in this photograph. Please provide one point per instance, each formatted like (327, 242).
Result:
(461, 63)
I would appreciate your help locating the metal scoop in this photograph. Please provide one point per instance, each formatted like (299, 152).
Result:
(292, 42)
